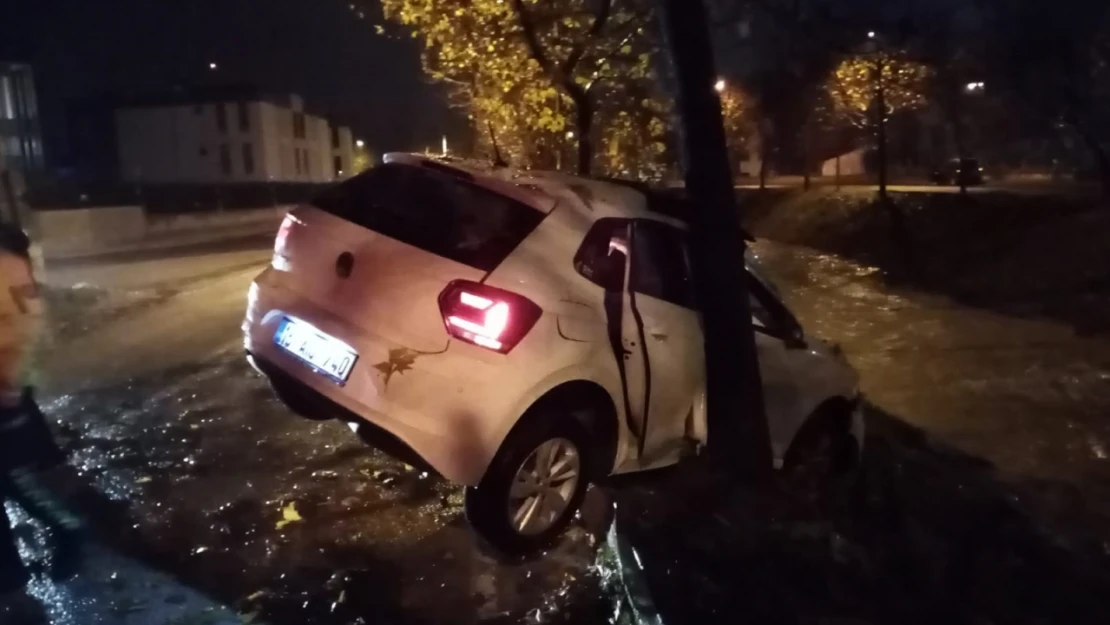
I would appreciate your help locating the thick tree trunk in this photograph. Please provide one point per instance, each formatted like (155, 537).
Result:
(738, 432)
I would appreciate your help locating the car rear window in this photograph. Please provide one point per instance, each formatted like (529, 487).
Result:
(437, 212)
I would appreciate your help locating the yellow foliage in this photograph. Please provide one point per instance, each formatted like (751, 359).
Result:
(855, 84)
(478, 50)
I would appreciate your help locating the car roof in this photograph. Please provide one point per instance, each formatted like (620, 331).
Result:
(593, 198)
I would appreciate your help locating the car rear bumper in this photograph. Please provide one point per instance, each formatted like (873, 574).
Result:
(454, 458)
(307, 402)
(439, 405)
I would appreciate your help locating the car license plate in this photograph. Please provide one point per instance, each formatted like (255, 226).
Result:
(323, 353)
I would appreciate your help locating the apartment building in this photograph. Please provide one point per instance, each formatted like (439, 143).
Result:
(226, 135)
(20, 129)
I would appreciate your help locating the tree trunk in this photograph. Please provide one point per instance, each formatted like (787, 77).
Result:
(763, 151)
(583, 123)
(954, 114)
(805, 156)
(880, 106)
(737, 421)
(1102, 160)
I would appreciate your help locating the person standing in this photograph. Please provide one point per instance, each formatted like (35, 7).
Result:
(27, 447)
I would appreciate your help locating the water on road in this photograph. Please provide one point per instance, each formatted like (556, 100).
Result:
(982, 497)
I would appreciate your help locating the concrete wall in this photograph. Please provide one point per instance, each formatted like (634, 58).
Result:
(85, 228)
(106, 230)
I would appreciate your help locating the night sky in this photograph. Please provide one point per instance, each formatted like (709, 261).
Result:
(317, 48)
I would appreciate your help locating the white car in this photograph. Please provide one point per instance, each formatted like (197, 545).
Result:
(521, 333)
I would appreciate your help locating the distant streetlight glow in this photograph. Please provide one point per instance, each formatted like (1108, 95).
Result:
(213, 66)
(360, 143)
(570, 134)
(720, 85)
(870, 34)
(976, 86)
(445, 145)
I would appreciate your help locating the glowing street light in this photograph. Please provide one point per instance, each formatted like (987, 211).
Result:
(720, 85)
(976, 86)
(213, 66)
(360, 143)
(570, 134)
(870, 34)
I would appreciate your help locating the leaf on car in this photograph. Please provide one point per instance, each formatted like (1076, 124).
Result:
(289, 515)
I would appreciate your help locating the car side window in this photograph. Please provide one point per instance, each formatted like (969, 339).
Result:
(661, 263)
(603, 255)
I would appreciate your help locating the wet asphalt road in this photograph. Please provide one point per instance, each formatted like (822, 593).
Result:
(983, 495)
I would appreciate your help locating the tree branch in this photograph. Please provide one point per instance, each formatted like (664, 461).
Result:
(528, 28)
(602, 17)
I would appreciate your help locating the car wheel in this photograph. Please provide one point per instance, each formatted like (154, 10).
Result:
(534, 485)
(822, 451)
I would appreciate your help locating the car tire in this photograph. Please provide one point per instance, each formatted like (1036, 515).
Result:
(823, 450)
(535, 458)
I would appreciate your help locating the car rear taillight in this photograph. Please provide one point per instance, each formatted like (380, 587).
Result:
(283, 234)
(486, 316)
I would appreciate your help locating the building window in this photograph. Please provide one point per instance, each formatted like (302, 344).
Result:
(297, 160)
(298, 126)
(7, 106)
(248, 159)
(221, 118)
(307, 167)
(225, 160)
(338, 166)
(244, 117)
(335, 136)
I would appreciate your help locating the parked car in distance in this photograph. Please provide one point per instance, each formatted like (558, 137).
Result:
(521, 333)
(959, 171)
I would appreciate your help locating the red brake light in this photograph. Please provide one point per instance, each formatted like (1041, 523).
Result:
(492, 318)
(283, 233)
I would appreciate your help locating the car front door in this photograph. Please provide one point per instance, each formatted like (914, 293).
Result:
(661, 301)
